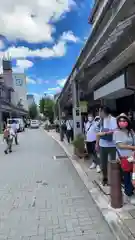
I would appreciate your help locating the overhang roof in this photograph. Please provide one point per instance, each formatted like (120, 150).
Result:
(125, 58)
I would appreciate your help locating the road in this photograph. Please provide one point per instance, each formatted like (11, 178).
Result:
(44, 198)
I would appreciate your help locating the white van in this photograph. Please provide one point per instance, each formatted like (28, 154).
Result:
(19, 123)
(34, 124)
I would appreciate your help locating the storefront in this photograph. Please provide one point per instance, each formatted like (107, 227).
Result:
(118, 93)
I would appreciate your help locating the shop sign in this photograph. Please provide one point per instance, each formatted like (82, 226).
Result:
(83, 106)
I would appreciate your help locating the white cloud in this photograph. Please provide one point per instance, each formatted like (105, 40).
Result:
(62, 82)
(31, 20)
(58, 50)
(69, 36)
(22, 64)
(30, 80)
(54, 90)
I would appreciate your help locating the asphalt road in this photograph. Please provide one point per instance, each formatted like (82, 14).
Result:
(42, 197)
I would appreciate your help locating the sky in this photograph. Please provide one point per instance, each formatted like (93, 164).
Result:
(44, 39)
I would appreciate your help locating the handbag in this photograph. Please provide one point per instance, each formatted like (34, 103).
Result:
(125, 164)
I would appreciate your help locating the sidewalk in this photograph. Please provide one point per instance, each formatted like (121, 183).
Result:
(121, 221)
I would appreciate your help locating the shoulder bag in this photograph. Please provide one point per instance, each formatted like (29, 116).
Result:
(125, 164)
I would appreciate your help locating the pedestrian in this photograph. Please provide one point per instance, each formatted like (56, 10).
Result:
(8, 137)
(69, 129)
(14, 127)
(104, 142)
(124, 138)
(90, 133)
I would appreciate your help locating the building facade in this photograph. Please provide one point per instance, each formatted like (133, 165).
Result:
(8, 107)
(107, 59)
(20, 90)
(30, 99)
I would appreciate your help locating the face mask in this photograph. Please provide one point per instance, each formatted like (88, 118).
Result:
(90, 119)
(123, 124)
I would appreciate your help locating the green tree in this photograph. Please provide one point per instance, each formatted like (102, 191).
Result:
(46, 106)
(33, 112)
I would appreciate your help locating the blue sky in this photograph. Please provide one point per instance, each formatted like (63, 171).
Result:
(44, 40)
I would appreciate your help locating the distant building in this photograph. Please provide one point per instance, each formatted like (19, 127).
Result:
(30, 99)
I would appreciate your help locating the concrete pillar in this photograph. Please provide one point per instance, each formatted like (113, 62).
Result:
(60, 120)
(77, 120)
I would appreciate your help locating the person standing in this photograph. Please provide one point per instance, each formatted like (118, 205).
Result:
(105, 142)
(90, 132)
(8, 137)
(124, 138)
(14, 127)
(69, 129)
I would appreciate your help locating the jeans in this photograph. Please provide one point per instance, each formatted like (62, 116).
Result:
(16, 139)
(127, 180)
(91, 151)
(69, 135)
(9, 145)
(105, 153)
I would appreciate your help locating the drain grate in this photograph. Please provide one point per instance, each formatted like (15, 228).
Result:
(58, 157)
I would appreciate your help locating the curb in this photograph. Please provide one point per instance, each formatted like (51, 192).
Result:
(110, 215)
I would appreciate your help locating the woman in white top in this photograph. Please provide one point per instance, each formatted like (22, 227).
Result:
(90, 132)
(124, 138)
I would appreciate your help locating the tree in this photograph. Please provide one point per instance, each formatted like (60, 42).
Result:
(46, 106)
(33, 112)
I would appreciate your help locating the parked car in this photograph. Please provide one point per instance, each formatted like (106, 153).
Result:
(34, 124)
(19, 123)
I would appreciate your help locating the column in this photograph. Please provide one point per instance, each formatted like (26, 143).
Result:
(60, 120)
(76, 108)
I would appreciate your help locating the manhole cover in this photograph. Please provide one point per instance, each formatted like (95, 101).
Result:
(60, 157)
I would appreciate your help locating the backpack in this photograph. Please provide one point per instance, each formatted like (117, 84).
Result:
(6, 133)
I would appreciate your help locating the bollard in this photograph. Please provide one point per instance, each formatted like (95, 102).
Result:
(115, 185)
(61, 134)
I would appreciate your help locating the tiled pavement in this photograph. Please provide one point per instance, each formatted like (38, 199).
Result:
(121, 221)
(42, 197)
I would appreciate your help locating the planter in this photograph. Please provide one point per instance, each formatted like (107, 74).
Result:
(78, 153)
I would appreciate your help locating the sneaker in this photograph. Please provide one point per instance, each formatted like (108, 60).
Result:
(92, 166)
(98, 169)
(5, 152)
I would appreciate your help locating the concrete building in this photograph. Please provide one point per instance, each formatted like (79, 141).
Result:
(105, 69)
(30, 99)
(20, 89)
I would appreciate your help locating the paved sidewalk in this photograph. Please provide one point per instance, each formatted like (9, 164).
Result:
(121, 221)
(42, 197)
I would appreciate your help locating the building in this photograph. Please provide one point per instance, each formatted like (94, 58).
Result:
(30, 99)
(8, 108)
(20, 89)
(104, 71)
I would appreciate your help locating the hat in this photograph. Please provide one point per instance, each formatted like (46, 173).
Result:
(123, 115)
